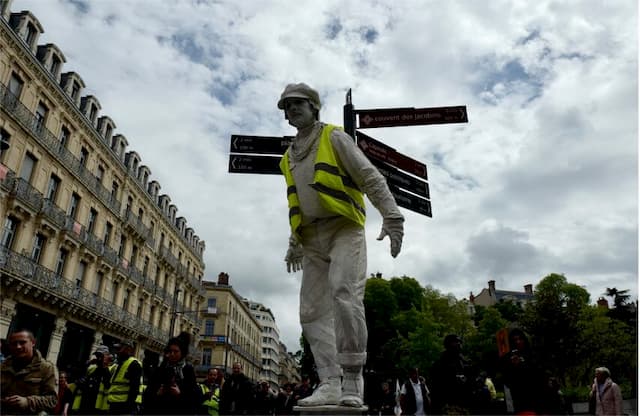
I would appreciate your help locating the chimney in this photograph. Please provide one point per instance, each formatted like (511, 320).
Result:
(471, 297)
(492, 288)
(528, 289)
(603, 303)
(223, 279)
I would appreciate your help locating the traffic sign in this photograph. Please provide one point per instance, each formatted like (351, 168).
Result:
(380, 151)
(411, 202)
(392, 117)
(402, 180)
(266, 165)
(259, 144)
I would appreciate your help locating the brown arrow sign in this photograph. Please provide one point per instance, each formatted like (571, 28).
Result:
(392, 117)
(380, 151)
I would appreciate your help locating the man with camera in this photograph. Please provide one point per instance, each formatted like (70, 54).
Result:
(97, 377)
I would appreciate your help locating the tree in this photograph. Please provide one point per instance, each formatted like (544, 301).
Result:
(552, 321)
(620, 297)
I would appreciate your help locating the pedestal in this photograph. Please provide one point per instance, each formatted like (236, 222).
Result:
(330, 410)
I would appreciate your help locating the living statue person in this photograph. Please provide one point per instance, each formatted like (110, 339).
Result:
(27, 380)
(327, 176)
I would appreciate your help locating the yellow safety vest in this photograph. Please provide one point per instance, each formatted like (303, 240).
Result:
(213, 403)
(119, 389)
(77, 399)
(336, 190)
(101, 400)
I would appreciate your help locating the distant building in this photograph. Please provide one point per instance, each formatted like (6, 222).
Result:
(270, 343)
(90, 252)
(490, 296)
(289, 367)
(230, 332)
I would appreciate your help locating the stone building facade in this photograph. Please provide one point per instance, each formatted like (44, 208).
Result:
(90, 251)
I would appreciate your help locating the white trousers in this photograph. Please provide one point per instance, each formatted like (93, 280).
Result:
(332, 292)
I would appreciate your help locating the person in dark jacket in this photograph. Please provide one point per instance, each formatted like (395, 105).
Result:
(414, 396)
(174, 390)
(452, 379)
(27, 379)
(236, 396)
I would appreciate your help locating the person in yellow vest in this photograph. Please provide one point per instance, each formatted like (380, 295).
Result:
(88, 386)
(102, 405)
(124, 391)
(211, 393)
(327, 176)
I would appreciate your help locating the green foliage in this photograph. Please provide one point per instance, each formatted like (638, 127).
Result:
(569, 337)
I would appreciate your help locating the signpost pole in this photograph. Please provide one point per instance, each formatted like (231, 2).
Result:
(349, 116)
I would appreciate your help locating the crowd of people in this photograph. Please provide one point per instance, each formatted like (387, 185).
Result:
(116, 385)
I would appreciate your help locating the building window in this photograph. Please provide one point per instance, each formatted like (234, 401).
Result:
(64, 136)
(97, 285)
(55, 64)
(84, 156)
(82, 267)
(208, 327)
(9, 231)
(114, 190)
(114, 292)
(15, 85)
(38, 245)
(73, 205)
(93, 112)
(134, 255)
(152, 312)
(145, 267)
(30, 35)
(100, 174)
(108, 229)
(41, 114)
(52, 188)
(27, 168)
(140, 307)
(206, 356)
(123, 242)
(75, 90)
(91, 222)
(62, 259)
(125, 299)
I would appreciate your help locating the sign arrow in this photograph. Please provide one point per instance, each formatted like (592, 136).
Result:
(393, 117)
(266, 165)
(380, 151)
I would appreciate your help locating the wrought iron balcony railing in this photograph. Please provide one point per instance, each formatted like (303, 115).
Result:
(39, 276)
(13, 106)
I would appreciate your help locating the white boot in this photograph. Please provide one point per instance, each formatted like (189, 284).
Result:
(352, 389)
(327, 392)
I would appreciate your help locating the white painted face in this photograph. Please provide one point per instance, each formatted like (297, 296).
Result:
(299, 112)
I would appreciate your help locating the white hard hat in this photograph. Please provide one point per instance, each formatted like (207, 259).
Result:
(300, 90)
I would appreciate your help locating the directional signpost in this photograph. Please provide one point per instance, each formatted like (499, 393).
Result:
(393, 117)
(246, 154)
(406, 177)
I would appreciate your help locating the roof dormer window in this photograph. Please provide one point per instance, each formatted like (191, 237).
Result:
(30, 34)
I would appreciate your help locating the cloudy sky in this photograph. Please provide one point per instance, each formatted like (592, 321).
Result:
(543, 178)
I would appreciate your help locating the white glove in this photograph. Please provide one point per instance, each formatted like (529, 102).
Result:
(294, 256)
(395, 230)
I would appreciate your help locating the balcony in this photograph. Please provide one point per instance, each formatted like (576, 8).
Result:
(48, 140)
(168, 258)
(137, 226)
(53, 213)
(37, 276)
